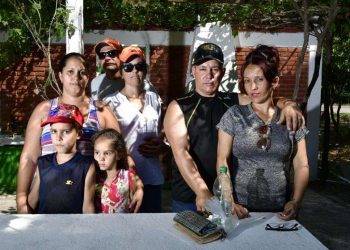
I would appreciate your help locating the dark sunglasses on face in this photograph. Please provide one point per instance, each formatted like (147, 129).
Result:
(111, 54)
(128, 67)
(264, 142)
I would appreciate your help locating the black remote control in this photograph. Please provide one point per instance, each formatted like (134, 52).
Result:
(195, 222)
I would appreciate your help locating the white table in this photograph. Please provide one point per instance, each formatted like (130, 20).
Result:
(138, 231)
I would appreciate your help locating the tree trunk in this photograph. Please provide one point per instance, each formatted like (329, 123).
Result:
(304, 15)
(326, 100)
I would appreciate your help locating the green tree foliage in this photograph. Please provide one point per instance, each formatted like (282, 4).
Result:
(340, 70)
(32, 20)
(184, 15)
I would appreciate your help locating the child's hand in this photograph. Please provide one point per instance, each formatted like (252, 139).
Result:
(136, 200)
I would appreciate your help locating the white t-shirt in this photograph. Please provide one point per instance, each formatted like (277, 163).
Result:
(135, 127)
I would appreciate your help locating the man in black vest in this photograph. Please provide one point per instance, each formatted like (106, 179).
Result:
(190, 127)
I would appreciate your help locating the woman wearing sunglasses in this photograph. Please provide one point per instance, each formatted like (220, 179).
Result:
(73, 74)
(138, 111)
(263, 149)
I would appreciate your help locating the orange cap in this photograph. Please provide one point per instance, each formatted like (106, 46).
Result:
(108, 42)
(130, 51)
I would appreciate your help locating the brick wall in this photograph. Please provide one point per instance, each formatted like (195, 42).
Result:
(168, 70)
(168, 65)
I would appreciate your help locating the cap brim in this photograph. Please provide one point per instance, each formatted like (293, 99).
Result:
(131, 54)
(59, 119)
(100, 45)
(207, 58)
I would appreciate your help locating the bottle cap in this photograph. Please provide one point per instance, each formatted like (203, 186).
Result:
(223, 170)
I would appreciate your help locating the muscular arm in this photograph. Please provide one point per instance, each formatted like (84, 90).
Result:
(30, 153)
(177, 135)
(89, 191)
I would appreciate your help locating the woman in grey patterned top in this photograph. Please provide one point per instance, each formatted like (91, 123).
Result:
(263, 148)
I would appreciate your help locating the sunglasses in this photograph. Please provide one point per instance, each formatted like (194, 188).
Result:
(282, 226)
(128, 67)
(111, 54)
(264, 142)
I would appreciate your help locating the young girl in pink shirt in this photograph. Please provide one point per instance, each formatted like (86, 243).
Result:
(117, 187)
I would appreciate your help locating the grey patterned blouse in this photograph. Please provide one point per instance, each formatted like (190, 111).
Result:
(261, 176)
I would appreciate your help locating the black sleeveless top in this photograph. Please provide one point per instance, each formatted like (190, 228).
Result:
(62, 185)
(202, 114)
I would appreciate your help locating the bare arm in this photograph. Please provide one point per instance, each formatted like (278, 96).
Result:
(224, 149)
(225, 142)
(177, 135)
(301, 179)
(106, 116)
(136, 194)
(33, 197)
(89, 191)
(30, 153)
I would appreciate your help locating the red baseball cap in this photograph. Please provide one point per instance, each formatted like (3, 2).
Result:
(66, 114)
(131, 51)
(108, 42)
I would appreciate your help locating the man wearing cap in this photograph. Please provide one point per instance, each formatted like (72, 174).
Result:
(190, 127)
(108, 51)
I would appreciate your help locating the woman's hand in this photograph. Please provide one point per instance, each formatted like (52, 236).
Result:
(152, 147)
(241, 211)
(290, 211)
(136, 200)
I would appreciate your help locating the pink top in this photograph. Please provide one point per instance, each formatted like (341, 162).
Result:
(115, 197)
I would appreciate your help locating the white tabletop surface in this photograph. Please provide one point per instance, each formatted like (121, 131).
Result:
(139, 231)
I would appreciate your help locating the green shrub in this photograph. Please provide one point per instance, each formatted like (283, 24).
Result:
(9, 159)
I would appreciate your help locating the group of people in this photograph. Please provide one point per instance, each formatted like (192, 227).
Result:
(106, 147)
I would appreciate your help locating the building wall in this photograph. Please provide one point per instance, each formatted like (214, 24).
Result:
(168, 66)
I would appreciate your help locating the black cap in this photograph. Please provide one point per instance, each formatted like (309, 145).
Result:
(207, 51)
